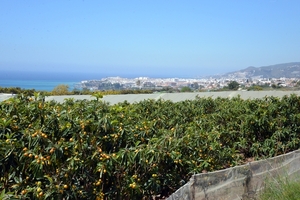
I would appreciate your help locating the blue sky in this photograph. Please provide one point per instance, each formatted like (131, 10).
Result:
(148, 37)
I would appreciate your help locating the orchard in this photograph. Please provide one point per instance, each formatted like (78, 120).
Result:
(93, 150)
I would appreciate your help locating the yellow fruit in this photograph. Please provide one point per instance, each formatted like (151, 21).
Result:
(52, 150)
(132, 185)
(66, 186)
(38, 189)
(134, 176)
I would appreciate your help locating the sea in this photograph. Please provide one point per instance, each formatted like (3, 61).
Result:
(44, 81)
(47, 81)
(38, 85)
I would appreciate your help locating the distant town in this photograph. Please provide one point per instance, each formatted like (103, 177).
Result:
(285, 76)
(203, 84)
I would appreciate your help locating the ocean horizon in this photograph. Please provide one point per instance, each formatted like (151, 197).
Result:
(47, 81)
(38, 85)
(42, 81)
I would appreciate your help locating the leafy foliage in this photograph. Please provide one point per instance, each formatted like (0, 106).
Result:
(186, 89)
(60, 90)
(233, 85)
(91, 150)
(16, 90)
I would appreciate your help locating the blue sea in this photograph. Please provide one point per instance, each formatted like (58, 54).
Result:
(38, 85)
(47, 81)
(43, 81)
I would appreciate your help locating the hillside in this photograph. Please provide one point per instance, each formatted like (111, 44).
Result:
(287, 70)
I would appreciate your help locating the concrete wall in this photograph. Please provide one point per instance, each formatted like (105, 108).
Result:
(175, 97)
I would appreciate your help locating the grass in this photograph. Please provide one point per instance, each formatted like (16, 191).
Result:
(281, 188)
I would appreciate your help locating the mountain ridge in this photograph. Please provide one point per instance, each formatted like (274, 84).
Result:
(287, 70)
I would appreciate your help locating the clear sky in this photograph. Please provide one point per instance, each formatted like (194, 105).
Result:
(148, 37)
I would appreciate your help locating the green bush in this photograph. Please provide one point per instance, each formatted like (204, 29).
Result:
(92, 150)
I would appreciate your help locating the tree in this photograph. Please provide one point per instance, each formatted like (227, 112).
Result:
(195, 85)
(233, 85)
(255, 88)
(138, 82)
(60, 90)
(186, 89)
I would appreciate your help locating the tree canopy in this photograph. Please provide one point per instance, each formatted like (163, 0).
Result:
(233, 85)
(186, 89)
(60, 90)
